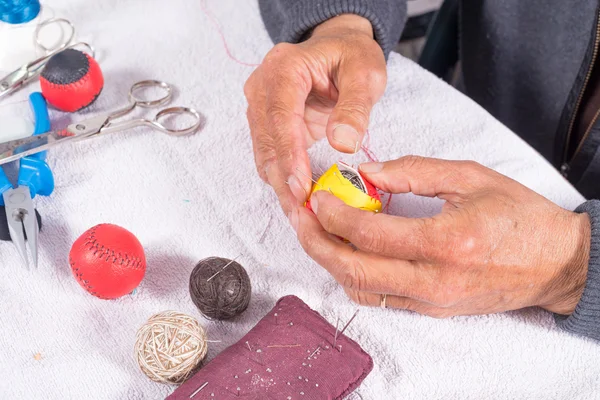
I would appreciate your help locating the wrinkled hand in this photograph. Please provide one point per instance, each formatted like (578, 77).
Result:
(323, 87)
(495, 246)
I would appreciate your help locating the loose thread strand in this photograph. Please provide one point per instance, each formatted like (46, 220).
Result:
(373, 158)
(215, 23)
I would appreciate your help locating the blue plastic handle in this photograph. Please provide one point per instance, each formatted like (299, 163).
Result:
(42, 119)
(34, 171)
(4, 185)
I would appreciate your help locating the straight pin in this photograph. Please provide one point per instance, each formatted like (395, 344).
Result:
(309, 177)
(198, 390)
(337, 176)
(314, 352)
(315, 182)
(345, 326)
(349, 322)
(248, 344)
(221, 270)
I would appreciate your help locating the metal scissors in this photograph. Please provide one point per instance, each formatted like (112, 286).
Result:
(21, 76)
(35, 177)
(19, 148)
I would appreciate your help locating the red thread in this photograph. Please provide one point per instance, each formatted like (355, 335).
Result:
(12, 104)
(365, 147)
(216, 25)
(373, 158)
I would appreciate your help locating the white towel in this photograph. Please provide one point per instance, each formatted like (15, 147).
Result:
(199, 196)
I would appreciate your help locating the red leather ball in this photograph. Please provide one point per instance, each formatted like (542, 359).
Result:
(108, 261)
(71, 80)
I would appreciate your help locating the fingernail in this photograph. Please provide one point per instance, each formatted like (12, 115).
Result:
(266, 170)
(348, 136)
(314, 203)
(293, 217)
(267, 166)
(371, 167)
(265, 175)
(296, 188)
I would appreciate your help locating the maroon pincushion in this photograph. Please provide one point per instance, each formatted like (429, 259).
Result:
(289, 354)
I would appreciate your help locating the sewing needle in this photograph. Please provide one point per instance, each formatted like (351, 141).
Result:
(198, 390)
(221, 270)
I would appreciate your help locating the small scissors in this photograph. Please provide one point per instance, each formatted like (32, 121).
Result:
(18, 78)
(19, 148)
(35, 177)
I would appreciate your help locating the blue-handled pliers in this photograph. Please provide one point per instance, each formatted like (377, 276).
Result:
(35, 177)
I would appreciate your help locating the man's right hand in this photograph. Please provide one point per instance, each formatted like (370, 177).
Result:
(301, 93)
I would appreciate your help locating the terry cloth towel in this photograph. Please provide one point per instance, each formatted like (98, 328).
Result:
(193, 197)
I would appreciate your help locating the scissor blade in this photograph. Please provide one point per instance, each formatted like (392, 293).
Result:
(22, 221)
(19, 148)
(16, 149)
(14, 80)
(15, 222)
(30, 224)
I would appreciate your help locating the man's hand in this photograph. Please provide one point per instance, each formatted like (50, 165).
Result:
(495, 246)
(323, 87)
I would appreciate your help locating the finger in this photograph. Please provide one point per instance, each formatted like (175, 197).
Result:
(357, 270)
(360, 85)
(400, 303)
(382, 234)
(287, 87)
(264, 148)
(262, 144)
(278, 183)
(449, 180)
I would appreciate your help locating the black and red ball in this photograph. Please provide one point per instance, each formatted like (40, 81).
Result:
(71, 80)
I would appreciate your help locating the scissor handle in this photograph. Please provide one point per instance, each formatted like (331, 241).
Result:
(175, 111)
(64, 44)
(142, 101)
(35, 67)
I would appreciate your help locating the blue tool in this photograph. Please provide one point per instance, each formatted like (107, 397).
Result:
(35, 178)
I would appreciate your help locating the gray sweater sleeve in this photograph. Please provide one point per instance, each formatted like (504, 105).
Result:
(585, 320)
(291, 20)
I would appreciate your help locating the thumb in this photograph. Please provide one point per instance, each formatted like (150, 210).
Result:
(431, 177)
(360, 86)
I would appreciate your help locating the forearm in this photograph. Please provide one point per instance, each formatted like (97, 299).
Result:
(292, 20)
(585, 320)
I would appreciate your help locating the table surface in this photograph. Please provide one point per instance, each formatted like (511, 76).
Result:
(199, 196)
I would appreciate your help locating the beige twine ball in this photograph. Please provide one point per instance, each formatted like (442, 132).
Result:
(169, 346)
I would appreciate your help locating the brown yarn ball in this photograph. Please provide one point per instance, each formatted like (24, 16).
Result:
(224, 296)
(170, 346)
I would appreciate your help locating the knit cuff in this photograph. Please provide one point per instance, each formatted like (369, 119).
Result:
(290, 21)
(585, 320)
